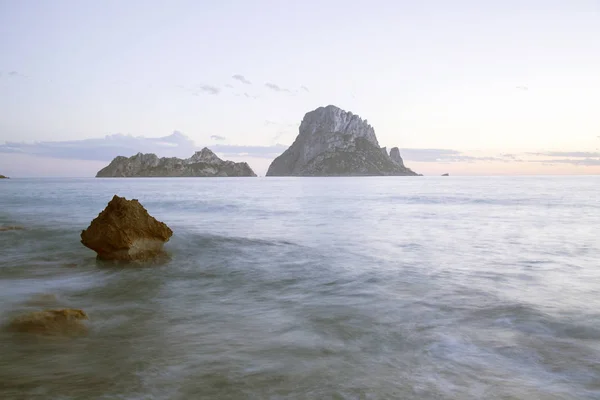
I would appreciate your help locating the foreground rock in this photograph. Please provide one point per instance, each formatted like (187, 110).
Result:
(51, 322)
(3, 177)
(125, 231)
(333, 142)
(203, 163)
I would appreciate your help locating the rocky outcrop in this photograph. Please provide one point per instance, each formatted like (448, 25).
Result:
(124, 231)
(3, 177)
(395, 156)
(445, 174)
(333, 142)
(51, 322)
(203, 163)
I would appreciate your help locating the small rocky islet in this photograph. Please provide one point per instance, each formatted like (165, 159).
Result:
(4, 177)
(203, 163)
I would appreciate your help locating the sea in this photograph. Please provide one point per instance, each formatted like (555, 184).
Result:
(310, 288)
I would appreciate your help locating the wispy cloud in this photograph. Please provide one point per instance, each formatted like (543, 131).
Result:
(250, 96)
(578, 158)
(242, 79)
(276, 88)
(446, 156)
(585, 162)
(228, 85)
(575, 154)
(107, 148)
(304, 88)
(268, 152)
(14, 74)
(213, 90)
(522, 88)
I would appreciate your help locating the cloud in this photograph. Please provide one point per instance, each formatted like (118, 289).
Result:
(443, 156)
(250, 96)
(107, 148)
(269, 152)
(586, 162)
(209, 89)
(576, 154)
(14, 74)
(304, 88)
(228, 85)
(522, 87)
(242, 79)
(276, 88)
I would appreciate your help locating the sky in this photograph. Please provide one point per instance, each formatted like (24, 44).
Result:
(464, 87)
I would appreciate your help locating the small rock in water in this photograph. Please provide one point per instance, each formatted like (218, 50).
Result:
(11, 228)
(125, 231)
(67, 321)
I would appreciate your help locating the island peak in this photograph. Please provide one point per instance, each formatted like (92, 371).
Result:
(335, 142)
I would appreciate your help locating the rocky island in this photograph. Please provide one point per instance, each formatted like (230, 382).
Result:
(333, 142)
(203, 163)
(3, 177)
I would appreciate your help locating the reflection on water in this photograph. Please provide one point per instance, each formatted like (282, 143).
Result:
(350, 289)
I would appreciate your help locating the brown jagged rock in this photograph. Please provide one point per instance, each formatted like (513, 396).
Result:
(67, 321)
(125, 231)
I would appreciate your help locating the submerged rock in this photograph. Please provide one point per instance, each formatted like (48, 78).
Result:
(11, 228)
(67, 321)
(125, 231)
(333, 142)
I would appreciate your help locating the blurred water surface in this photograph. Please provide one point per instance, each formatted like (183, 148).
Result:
(311, 288)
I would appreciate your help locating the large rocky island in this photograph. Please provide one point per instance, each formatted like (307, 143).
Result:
(203, 163)
(333, 142)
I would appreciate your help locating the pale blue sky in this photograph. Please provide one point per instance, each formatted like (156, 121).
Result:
(471, 76)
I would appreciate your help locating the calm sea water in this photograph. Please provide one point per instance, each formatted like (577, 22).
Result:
(315, 288)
